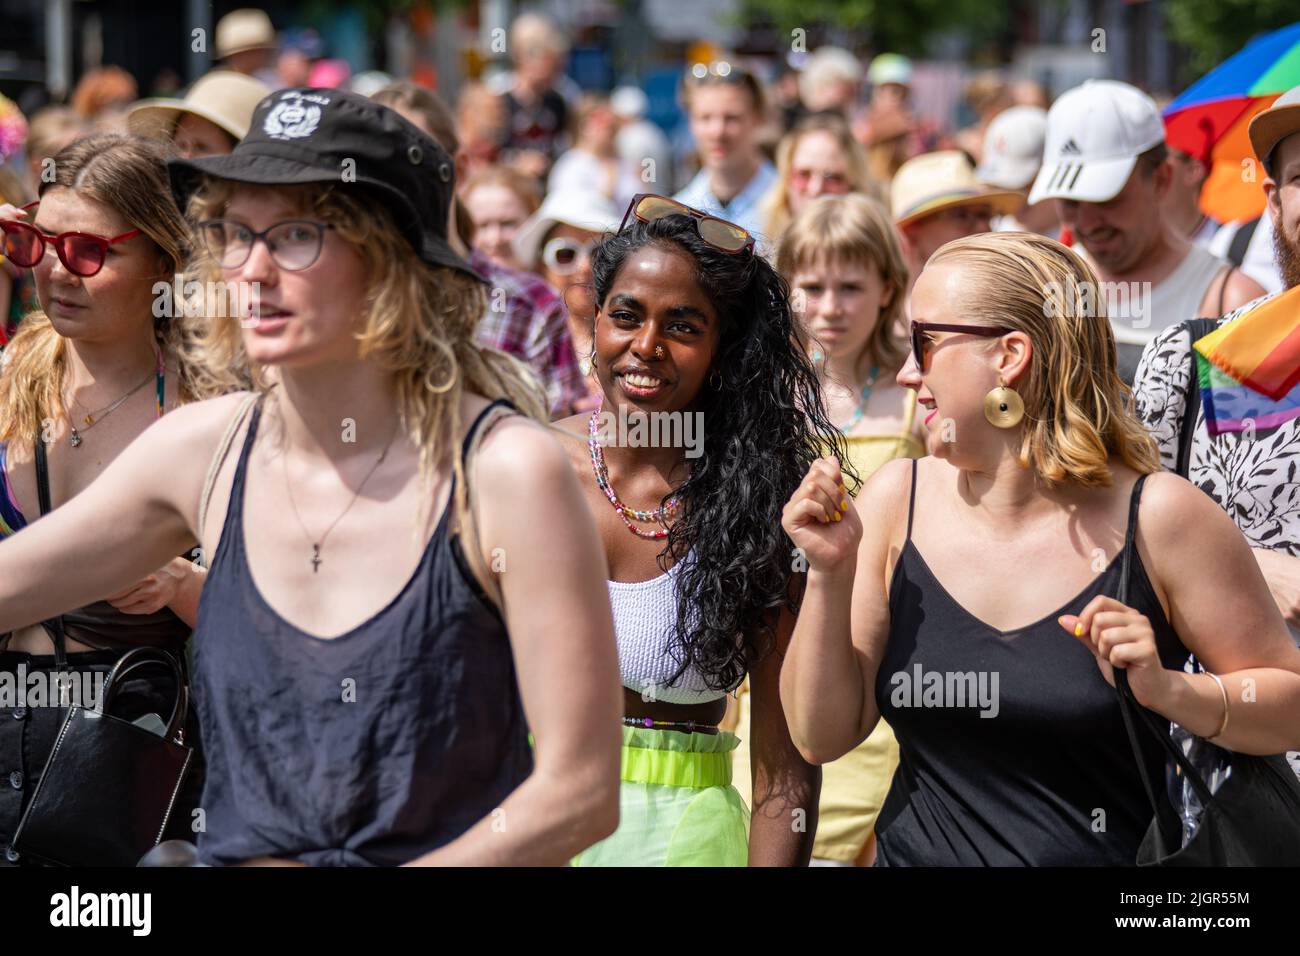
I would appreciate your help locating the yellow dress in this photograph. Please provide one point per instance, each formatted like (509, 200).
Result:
(853, 787)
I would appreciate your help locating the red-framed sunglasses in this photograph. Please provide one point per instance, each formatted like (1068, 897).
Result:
(83, 253)
(720, 234)
(920, 328)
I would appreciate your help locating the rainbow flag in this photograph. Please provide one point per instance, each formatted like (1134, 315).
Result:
(1249, 370)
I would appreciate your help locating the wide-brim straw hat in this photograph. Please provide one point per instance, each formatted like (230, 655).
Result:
(222, 97)
(932, 182)
(242, 30)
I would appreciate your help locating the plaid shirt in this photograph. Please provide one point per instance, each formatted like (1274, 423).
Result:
(527, 319)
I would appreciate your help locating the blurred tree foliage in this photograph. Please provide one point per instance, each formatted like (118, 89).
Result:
(1213, 30)
(898, 26)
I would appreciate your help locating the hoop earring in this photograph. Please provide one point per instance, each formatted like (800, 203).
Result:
(715, 380)
(588, 364)
(1003, 406)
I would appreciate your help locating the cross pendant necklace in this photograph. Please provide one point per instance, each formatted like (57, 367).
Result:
(316, 560)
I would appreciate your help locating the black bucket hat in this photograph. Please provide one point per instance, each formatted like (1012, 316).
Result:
(332, 136)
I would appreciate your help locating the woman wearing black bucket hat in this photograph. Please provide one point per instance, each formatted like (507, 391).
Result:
(349, 720)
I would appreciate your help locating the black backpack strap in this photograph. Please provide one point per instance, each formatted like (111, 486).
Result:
(1240, 241)
(1196, 329)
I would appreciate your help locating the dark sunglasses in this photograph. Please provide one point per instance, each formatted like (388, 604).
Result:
(720, 234)
(82, 253)
(920, 328)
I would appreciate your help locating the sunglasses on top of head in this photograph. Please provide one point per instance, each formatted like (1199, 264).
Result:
(82, 253)
(920, 347)
(720, 234)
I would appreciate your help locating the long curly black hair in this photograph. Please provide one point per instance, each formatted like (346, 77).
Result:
(764, 424)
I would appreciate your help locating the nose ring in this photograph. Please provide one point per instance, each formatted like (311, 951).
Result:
(659, 351)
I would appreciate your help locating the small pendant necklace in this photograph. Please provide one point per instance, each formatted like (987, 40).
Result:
(862, 401)
(94, 418)
(319, 543)
(659, 516)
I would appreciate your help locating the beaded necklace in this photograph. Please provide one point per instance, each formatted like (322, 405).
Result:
(658, 516)
(862, 401)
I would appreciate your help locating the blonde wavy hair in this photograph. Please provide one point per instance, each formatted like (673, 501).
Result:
(1078, 412)
(852, 229)
(775, 206)
(130, 175)
(418, 325)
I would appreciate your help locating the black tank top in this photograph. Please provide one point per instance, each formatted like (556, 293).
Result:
(433, 740)
(1048, 779)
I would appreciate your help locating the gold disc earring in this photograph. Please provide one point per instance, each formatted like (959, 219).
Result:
(1003, 407)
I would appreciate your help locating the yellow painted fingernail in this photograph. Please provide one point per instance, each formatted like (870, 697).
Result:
(844, 505)
(843, 490)
(838, 516)
(1078, 629)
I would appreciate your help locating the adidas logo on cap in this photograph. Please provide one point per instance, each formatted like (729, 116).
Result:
(1070, 148)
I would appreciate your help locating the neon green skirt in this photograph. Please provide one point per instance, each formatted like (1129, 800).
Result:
(676, 804)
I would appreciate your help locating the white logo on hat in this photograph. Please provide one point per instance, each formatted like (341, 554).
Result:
(291, 119)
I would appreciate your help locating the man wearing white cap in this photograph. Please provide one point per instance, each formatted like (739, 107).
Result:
(1012, 155)
(1250, 473)
(1106, 164)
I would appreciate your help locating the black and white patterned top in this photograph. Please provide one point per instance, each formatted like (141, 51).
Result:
(1255, 479)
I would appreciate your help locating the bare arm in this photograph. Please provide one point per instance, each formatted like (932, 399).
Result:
(1282, 572)
(562, 635)
(130, 521)
(829, 674)
(1221, 608)
(785, 786)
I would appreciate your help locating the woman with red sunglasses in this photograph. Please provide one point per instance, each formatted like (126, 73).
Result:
(975, 605)
(81, 380)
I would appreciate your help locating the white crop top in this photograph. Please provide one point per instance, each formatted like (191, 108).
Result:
(645, 613)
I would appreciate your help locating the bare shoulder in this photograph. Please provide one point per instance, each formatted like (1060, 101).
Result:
(517, 452)
(887, 491)
(1172, 508)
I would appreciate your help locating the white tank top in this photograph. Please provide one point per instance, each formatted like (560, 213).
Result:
(1176, 298)
(645, 613)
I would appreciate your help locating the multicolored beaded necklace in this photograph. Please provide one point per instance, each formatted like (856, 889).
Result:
(659, 516)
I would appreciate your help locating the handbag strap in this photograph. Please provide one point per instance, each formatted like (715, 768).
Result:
(1130, 709)
(139, 657)
(1196, 329)
(43, 497)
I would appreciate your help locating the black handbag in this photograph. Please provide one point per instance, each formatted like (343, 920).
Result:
(109, 786)
(1252, 819)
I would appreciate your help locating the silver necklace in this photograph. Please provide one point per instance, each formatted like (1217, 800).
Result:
(320, 542)
(94, 418)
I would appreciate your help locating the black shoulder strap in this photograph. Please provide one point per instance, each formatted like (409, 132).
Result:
(1196, 329)
(55, 624)
(1240, 241)
(911, 503)
(1131, 711)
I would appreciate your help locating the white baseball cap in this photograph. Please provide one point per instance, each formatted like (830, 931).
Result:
(1095, 133)
(1013, 147)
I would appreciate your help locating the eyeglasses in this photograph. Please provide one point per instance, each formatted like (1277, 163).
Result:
(722, 235)
(562, 256)
(294, 245)
(919, 350)
(82, 253)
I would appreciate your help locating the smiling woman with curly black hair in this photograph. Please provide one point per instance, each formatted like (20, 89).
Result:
(711, 414)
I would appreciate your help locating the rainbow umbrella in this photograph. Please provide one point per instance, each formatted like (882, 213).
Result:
(1209, 119)
(1249, 370)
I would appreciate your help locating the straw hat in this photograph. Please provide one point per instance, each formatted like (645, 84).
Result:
(932, 182)
(1269, 127)
(242, 30)
(222, 97)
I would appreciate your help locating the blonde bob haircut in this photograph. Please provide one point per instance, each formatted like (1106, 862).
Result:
(418, 324)
(775, 205)
(1078, 412)
(857, 230)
